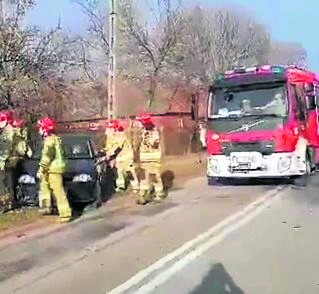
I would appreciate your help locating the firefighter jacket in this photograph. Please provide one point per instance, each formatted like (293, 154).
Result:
(22, 146)
(127, 152)
(111, 143)
(150, 149)
(53, 158)
(118, 143)
(134, 134)
(10, 148)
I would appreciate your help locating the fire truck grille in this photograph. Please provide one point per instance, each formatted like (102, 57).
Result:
(265, 147)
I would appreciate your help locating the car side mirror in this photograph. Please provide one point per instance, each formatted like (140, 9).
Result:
(311, 102)
(101, 153)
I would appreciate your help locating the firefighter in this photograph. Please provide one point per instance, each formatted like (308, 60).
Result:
(111, 143)
(51, 167)
(22, 137)
(134, 135)
(150, 159)
(119, 146)
(7, 172)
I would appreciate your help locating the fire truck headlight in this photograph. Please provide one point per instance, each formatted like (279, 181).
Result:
(214, 165)
(284, 163)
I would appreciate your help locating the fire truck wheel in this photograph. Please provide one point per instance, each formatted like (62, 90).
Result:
(213, 181)
(303, 180)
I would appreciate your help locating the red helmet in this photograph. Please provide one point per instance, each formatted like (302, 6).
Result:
(115, 125)
(18, 123)
(46, 124)
(6, 116)
(145, 119)
(112, 124)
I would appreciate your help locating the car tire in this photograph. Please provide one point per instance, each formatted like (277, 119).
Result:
(98, 193)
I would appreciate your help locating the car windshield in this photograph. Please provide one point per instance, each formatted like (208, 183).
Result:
(259, 100)
(76, 147)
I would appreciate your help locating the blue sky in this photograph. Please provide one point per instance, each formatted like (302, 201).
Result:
(287, 20)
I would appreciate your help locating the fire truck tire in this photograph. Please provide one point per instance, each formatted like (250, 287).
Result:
(213, 181)
(302, 181)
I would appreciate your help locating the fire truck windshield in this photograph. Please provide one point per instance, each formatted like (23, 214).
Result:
(249, 100)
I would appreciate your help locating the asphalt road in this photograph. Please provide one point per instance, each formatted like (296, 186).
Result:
(231, 239)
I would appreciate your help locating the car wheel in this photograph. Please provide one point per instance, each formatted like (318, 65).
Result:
(98, 193)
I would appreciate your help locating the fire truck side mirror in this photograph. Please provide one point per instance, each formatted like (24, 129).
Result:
(311, 102)
(194, 107)
(193, 113)
(309, 88)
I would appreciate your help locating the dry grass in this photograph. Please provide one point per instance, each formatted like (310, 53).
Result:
(18, 218)
(175, 171)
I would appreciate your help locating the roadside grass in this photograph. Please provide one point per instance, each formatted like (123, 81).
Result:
(18, 218)
(176, 170)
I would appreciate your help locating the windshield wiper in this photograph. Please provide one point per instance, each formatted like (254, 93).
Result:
(240, 116)
(229, 117)
(264, 115)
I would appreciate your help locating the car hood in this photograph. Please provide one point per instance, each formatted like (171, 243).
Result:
(74, 167)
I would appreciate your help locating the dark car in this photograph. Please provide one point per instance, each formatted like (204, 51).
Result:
(82, 180)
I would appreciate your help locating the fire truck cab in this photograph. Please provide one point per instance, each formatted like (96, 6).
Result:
(262, 122)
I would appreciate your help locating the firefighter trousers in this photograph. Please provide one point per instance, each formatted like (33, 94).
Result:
(125, 170)
(147, 184)
(52, 184)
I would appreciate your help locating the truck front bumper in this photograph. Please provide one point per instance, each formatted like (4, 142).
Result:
(269, 166)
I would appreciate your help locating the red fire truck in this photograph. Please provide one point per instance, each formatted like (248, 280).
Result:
(263, 122)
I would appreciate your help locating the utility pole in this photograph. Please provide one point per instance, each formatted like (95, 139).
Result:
(111, 105)
(2, 11)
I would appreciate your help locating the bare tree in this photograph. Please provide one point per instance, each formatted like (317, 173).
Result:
(150, 41)
(216, 40)
(96, 11)
(31, 61)
(94, 50)
(288, 53)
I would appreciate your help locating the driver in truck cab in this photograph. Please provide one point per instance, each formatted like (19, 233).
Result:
(276, 105)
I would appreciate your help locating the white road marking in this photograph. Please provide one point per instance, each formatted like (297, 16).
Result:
(249, 211)
(171, 271)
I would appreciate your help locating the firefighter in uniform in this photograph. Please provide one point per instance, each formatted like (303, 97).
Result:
(111, 143)
(134, 135)
(22, 138)
(119, 147)
(52, 166)
(150, 161)
(7, 142)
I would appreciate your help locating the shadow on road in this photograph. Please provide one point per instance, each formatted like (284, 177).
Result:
(217, 281)
(168, 179)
